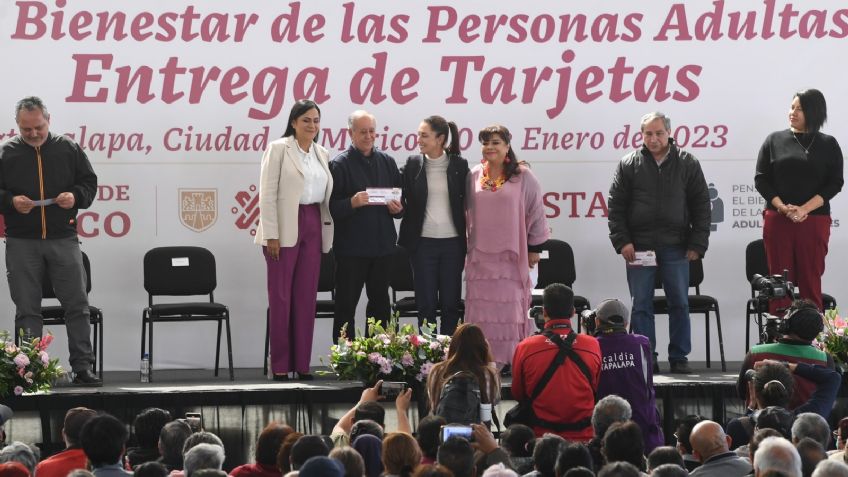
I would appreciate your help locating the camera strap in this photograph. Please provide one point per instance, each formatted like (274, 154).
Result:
(565, 351)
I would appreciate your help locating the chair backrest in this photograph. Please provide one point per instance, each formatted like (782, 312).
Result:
(559, 266)
(401, 279)
(327, 276)
(696, 276)
(179, 271)
(47, 285)
(755, 259)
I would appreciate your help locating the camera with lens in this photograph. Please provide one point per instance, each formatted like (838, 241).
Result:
(537, 314)
(774, 327)
(773, 286)
(587, 321)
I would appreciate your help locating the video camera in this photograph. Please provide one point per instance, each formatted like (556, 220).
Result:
(587, 321)
(537, 315)
(773, 287)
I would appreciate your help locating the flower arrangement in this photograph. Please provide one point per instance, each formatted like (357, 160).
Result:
(391, 353)
(26, 368)
(834, 338)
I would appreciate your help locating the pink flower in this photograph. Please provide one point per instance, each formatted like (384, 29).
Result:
(45, 342)
(435, 345)
(375, 357)
(18, 390)
(21, 360)
(407, 359)
(385, 366)
(415, 340)
(45, 358)
(426, 368)
(840, 332)
(10, 348)
(21, 372)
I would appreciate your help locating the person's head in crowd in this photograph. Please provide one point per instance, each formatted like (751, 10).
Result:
(669, 470)
(269, 442)
(664, 455)
(148, 425)
(284, 454)
(831, 468)
(366, 426)
(429, 429)
(557, 302)
(432, 470)
(499, 470)
(75, 418)
(773, 385)
(804, 320)
(623, 442)
(14, 469)
(457, 455)
(20, 453)
(777, 454)
(202, 437)
(370, 410)
(151, 469)
(371, 450)
(321, 466)
(400, 454)
(811, 453)
(78, 473)
(578, 472)
(362, 127)
(491, 135)
(6, 414)
(683, 431)
(103, 440)
(759, 436)
(812, 425)
(571, 455)
(351, 461)
(708, 440)
(777, 418)
(841, 433)
(619, 469)
(171, 440)
(545, 454)
(203, 456)
(612, 316)
(517, 440)
(306, 447)
(470, 351)
(609, 410)
(209, 473)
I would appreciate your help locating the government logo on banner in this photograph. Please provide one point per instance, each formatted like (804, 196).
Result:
(247, 209)
(198, 208)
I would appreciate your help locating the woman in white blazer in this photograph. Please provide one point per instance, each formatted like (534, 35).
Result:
(294, 228)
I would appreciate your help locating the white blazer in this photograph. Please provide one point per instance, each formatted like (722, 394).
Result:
(280, 188)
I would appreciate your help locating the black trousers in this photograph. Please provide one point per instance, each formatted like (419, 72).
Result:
(352, 273)
(437, 270)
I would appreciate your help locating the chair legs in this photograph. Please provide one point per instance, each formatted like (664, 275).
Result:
(720, 339)
(230, 348)
(218, 349)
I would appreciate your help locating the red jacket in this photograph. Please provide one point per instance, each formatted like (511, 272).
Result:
(568, 397)
(61, 464)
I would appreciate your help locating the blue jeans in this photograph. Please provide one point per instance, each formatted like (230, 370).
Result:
(673, 268)
(437, 274)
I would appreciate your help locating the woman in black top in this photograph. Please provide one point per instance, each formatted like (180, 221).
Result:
(433, 225)
(799, 170)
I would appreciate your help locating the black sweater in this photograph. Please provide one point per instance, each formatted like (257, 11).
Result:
(64, 168)
(368, 231)
(785, 171)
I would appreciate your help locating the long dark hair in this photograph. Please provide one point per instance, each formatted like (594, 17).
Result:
(448, 129)
(299, 109)
(815, 108)
(469, 351)
(510, 169)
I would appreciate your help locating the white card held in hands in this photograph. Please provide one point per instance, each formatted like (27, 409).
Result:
(647, 258)
(382, 195)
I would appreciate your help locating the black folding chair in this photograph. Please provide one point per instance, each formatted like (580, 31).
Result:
(182, 271)
(54, 315)
(559, 267)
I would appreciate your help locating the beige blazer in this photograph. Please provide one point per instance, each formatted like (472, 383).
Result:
(280, 188)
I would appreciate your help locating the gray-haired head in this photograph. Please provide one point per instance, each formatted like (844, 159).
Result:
(810, 424)
(359, 113)
(651, 117)
(831, 468)
(777, 454)
(21, 453)
(609, 410)
(203, 456)
(31, 103)
(202, 437)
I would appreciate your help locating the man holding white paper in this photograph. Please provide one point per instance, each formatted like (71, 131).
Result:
(44, 180)
(659, 221)
(365, 200)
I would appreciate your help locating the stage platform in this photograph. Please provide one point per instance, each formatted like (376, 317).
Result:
(237, 410)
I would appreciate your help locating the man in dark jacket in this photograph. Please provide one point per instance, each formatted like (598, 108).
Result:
(44, 180)
(365, 236)
(659, 220)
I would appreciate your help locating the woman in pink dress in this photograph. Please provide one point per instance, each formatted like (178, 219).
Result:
(506, 228)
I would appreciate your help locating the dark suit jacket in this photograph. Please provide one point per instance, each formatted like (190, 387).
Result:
(414, 199)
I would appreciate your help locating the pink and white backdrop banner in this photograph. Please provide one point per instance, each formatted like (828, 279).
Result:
(174, 102)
